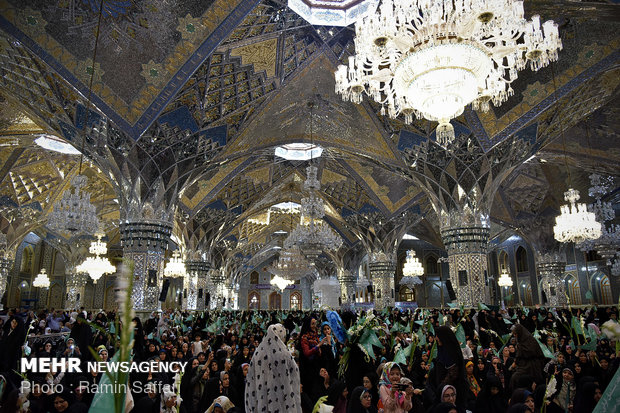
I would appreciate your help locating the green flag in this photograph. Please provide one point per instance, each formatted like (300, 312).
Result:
(576, 325)
(547, 353)
(421, 337)
(103, 402)
(453, 305)
(460, 335)
(403, 354)
(440, 319)
(481, 306)
(609, 401)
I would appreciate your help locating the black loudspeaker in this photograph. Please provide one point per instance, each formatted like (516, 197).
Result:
(544, 296)
(164, 290)
(200, 293)
(451, 292)
(180, 300)
(207, 300)
(369, 289)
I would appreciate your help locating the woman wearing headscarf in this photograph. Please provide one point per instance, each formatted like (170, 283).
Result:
(329, 350)
(310, 352)
(220, 405)
(11, 347)
(449, 368)
(491, 399)
(394, 399)
(474, 386)
(273, 382)
(361, 401)
(529, 360)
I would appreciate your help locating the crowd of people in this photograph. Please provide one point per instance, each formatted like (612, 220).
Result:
(390, 361)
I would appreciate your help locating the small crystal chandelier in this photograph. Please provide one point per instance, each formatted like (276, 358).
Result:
(609, 241)
(575, 223)
(412, 270)
(291, 265)
(504, 279)
(41, 281)
(175, 267)
(615, 268)
(432, 58)
(97, 265)
(315, 237)
(74, 211)
(280, 283)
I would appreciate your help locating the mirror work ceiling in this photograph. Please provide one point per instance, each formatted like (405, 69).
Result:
(181, 102)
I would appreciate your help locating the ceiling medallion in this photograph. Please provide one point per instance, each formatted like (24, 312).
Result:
(575, 223)
(432, 58)
(42, 281)
(97, 265)
(331, 12)
(74, 212)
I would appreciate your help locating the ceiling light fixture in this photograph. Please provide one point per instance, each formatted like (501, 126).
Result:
(175, 267)
(430, 59)
(42, 280)
(96, 265)
(504, 279)
(331, 12)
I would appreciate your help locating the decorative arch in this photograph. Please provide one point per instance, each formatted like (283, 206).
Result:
(406, 294)
(601, 287)
(253, 300)
(432, 268)
(295, 301)
(503, 261)
(521, 259)
(27, 259)
(275, 301)
(109, 301)
(573, 289)
(254, 277)
(55, 297)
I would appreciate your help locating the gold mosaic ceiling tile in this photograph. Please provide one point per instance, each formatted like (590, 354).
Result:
(261, 55)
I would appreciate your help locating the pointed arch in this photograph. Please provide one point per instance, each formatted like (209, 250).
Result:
(601, 287)
(253, 300)
(295, 301)
(275, 301)
(573, 289)
(521, 259)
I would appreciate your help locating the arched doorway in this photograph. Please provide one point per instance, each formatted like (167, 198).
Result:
(275, 301)
(573, 289)
(601, 288)
(295, 301)
(406, 294)
(521, 259)
(253, 301)
(503, 261)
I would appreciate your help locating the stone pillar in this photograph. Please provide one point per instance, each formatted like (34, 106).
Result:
(198, 271)
(218, 281)
(467, 256)
(145, 242)
(551, 273)
(6, 264)
(75, 284)
(382, 269)
(347, 289)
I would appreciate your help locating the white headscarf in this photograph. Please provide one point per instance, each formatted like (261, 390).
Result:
(273, 376)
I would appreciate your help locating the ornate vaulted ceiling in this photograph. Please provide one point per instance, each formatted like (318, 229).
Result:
(186, 99)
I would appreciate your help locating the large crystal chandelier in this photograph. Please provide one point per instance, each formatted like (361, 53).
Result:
(291, 265)
(575, 223)
(175, 267)
(41, 281)
(431, 58)
(317, 236)
(412, 270)
(504, 279)
(74, 212)
(96, 265)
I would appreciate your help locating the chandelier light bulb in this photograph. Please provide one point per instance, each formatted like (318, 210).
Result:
(430, 59)
(175, 267)
(575, 223)
(42, 280)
